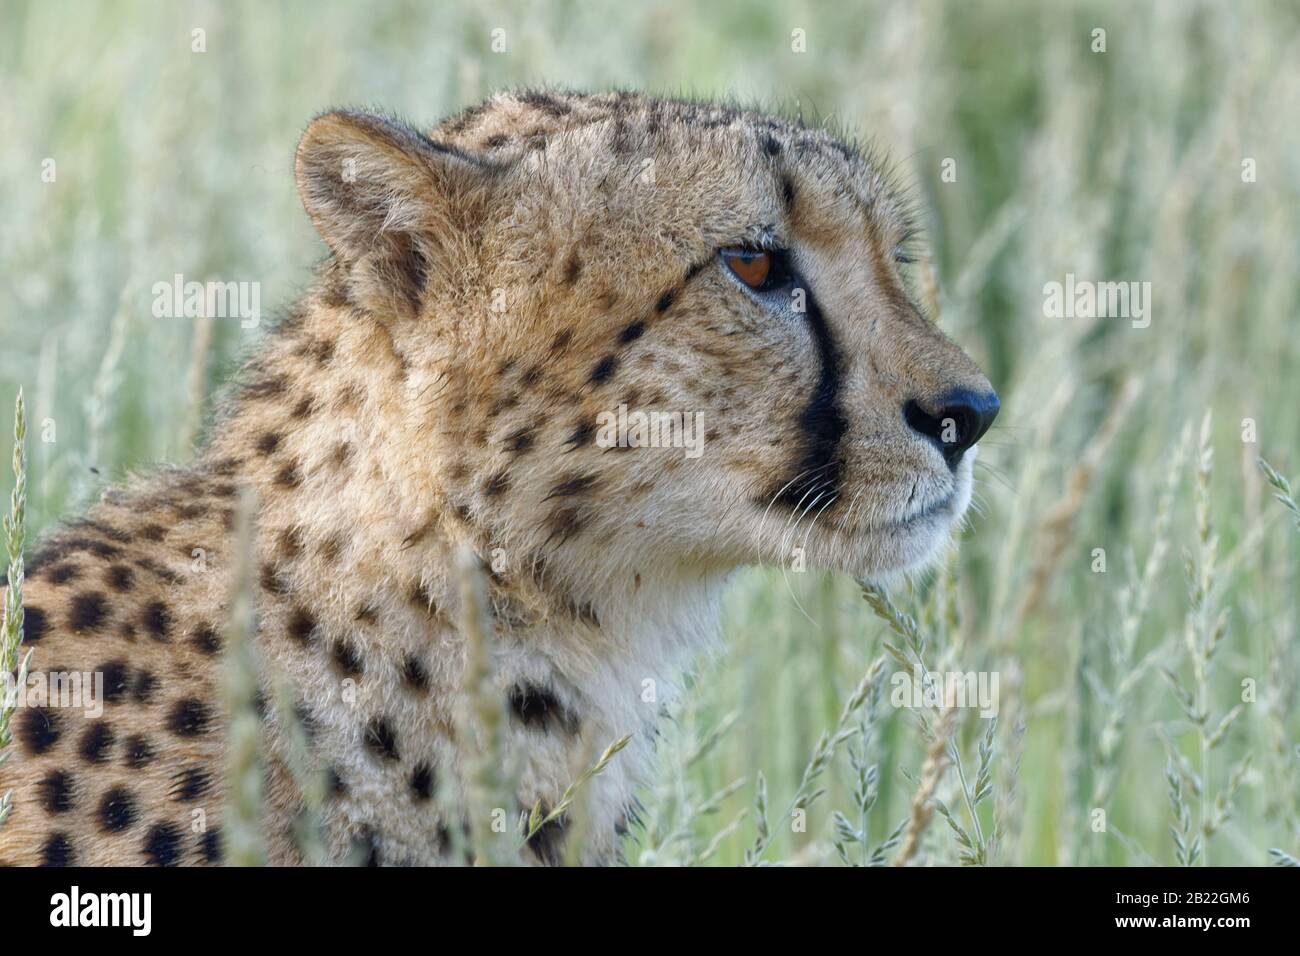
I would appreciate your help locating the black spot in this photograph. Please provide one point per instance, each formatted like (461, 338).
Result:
(153, 532)
(156, 569)
(33, 625)
(289, 542)
(497, 484)
(574, 485)
(414, 673)
(420, 596)
(162, 845)
(116, 810)
(604, 368)
(190, 784)
(301, 625)
(581, 434)
(189, 717)
(536, 706)
(631, 332)
(631, 817)
(267, 387)
(329, 548)
(545, 102)
(116, 677)
(564, 523)
(138, 752)
(206, 639)
(62, 573)
(381, 739)
(442, 839)
(108, 531)
(96, 742)
(770, 145)
(119, 577)
(666, 300)
(310, 725)
(346, 658)
(98, 548)
(56, 791)
(463, 121)
(38, 729)
(585, 612)
(86, 611)
(335, 783)
(322, 350)
(572, 268)
(787, 192)
(288, 476)
(546, 842)
(268, 443)
(422, 782)
(210, 846)
(273, 581)
(365, 846)
(157, 620)
(143, 687)
(192, 510)
(520, 440)
(57, 851)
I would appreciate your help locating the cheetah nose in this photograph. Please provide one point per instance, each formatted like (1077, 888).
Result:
(964, 416)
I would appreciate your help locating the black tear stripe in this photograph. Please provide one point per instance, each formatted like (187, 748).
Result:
(822, 425)
(819, 468)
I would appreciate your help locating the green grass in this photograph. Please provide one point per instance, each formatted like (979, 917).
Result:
(1121, 165)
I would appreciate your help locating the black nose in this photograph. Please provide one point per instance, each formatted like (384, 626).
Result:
(964, 417)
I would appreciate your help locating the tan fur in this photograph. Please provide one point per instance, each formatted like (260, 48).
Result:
(491, 289)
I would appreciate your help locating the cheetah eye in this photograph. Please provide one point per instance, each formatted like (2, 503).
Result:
(760, 269)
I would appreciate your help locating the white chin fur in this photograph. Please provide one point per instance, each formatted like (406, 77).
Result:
(886, 555)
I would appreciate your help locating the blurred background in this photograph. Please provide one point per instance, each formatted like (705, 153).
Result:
(1144, 709)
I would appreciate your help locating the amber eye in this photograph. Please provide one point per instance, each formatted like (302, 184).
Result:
(751, 266)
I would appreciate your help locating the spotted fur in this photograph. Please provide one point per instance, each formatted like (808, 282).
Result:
(493, 286)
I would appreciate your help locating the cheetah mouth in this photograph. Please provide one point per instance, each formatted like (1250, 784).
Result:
(909, 541)
(944, 509)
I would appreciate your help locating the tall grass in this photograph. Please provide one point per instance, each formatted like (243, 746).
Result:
(11, 626)
(1126, 164)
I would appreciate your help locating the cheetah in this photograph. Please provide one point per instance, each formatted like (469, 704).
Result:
(493, 290)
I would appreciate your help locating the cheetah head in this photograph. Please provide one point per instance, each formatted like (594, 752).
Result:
(658, 332)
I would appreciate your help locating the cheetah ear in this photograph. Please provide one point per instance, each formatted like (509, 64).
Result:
(385, 199)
